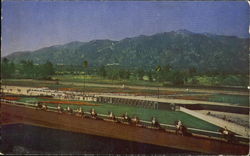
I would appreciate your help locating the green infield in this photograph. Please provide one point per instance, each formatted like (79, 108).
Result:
(33, 100)
(240, 100)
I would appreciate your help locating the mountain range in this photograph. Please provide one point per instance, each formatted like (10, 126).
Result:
(180, 49)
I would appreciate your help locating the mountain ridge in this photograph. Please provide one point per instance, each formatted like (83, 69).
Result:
(179, 49)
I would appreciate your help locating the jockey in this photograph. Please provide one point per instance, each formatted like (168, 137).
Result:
(153, 121)
(179, 124)
(60, 109)
(126, 116)
(225, 131)
(80, 110)
(93, 113)
(38, 105)
(135, 119)
(44, 107)
(111, 115)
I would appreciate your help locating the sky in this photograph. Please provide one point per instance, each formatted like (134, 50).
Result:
(30, 25)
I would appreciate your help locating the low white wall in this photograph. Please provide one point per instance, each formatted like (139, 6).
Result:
(238, 129)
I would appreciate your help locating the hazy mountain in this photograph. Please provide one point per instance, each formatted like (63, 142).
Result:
(181, 49)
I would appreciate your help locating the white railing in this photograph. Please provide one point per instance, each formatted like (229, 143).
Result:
(238, 129)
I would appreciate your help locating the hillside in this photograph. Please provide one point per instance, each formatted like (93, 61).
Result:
(179, 49)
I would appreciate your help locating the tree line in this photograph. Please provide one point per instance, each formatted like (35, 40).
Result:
(26, 69)
(165, 75)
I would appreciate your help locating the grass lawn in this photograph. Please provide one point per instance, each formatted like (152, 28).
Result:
(33, 100)
(28, 82)
(53, 85)
(163, 116)
(240, 100)
(100, 80)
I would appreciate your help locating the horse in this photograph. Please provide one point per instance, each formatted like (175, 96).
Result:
(155, 124)
(39, 105)
(135, 121)
(228, 135)
(81, 112)
(70, 110)
(112, 116)
(94, 115)
(60, 109)
(182, 130)
(126, 118)
(44, 107)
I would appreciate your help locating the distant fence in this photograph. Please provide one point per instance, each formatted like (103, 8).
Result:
(129, 102)
(138, 103)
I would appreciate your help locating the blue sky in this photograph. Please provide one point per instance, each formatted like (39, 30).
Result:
(32, 25)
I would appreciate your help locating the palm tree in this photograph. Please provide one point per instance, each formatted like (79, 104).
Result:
(85, 66)
(158, 69)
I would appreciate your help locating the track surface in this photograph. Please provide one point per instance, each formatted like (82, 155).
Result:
(23, 91)
(31, 116)
(199, 90)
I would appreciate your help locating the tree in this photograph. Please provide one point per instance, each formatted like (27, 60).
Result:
(177, 77)
(166, 68)
(102, 71)
(85, 65)
(150, 76)
(49, 68)
(158, 70)
(7, 68)
(112, 71)
(140, 74)
(163, 72)
(192, 71)
(123, 74)
(27, 69)
(45, 70)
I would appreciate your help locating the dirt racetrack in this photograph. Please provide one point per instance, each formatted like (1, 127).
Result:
(13, 113)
